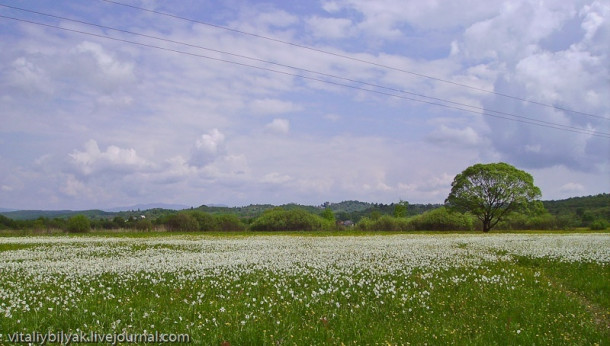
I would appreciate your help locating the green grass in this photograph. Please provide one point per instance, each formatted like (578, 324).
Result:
(523, 300)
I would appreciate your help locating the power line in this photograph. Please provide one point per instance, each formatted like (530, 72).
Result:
(298, 68)
(343, 56)
(527, 121)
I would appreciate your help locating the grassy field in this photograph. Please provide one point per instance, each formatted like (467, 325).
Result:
(246, 289)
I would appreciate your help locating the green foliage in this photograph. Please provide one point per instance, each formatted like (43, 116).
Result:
(229, 223)
(206, 222)
(492, 191)
(6, 223)
(383, 223)
(375, 215)
(143, 225)
(328, 215)
(182, 222)
(279, 219)
(442, 219)
(78, 224)
(599, 225)
(580, 211)
(522, 221)
(400, 209)
(119, 221)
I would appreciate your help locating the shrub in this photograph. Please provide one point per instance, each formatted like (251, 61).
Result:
(143, 225)
(182, 222)
(278, 219)
(78, 224)
(206, 222)
(520, 221)
(328, 215)
(383, 223)
(599, 225)
(229, 223)
(441, 219)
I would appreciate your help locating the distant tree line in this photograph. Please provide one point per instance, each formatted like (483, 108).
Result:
(388, 217)
(482, 197)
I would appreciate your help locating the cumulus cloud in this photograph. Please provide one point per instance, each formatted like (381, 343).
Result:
(114, 159)
(208, 147)
(434, 187)
(349, 144)
(280, 126)
(330, 28)
(452, 136)
(30, 77)
(573, 77)
(275, 178)
(572, 188)
(74, 187)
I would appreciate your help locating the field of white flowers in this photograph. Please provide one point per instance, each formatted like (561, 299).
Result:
(287, 289)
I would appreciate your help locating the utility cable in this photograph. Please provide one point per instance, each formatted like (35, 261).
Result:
(529, 121)
(481, 109)
(343, 56)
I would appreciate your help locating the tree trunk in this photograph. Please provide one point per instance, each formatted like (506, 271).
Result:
(486, 226)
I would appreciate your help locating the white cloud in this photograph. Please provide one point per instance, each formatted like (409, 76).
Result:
(332, 117)
(330, 28)
(280, 126)
(176, 127)
(93, 160)
(74, 187)
(228, 167)
(434, 187)
(268, 106)
(573, 76)
(28, 76)
(275, 178)
(208, 147)
(452, 136)
(572, 188)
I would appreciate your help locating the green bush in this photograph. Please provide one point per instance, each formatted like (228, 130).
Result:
(182, 222)
(78, 224)
(599, 225)
(520, 221)
(441, 219)
(7, 223)
(229, 223)
(278, 219)
(206, 222)
(383, 223)
(143, 225)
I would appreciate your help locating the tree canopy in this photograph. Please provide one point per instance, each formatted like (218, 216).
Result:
(492, 191)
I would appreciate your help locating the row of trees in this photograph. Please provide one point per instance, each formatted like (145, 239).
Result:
(279, 219)
(483, 196)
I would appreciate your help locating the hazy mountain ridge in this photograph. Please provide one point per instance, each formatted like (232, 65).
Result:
(595, 206)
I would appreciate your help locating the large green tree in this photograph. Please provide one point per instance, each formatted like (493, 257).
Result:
(492, 191)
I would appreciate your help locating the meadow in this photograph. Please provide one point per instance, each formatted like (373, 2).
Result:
(285, 289)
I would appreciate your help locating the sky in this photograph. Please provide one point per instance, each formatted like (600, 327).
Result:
(243, 102)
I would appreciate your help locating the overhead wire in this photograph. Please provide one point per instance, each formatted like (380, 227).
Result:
(344, 56)
(477, 108)
(523, 120)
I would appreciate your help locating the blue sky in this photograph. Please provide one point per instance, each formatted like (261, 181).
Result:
(89, 122)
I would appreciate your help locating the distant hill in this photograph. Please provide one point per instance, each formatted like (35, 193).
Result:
(581, 209)
(584, 209)
(51, 214)
(349, 206)
(149, 206)
(92, 214)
